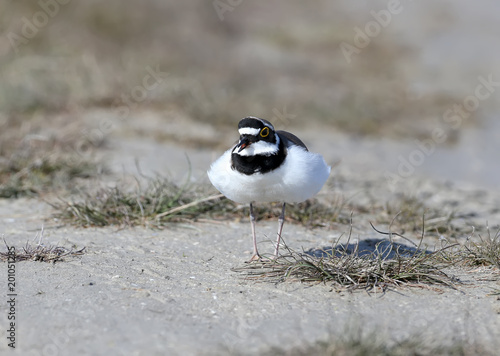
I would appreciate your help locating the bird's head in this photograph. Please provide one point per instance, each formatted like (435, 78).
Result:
(257, 136)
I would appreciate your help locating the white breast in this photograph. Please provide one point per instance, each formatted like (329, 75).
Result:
(300, 177)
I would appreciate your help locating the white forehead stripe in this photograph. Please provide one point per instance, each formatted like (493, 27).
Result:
(249, 131)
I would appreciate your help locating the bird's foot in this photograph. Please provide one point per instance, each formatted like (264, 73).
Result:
(255, 257)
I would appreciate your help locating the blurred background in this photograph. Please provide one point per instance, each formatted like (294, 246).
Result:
(371, 80)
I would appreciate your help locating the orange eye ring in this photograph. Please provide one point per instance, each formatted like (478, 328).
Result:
(264, 132)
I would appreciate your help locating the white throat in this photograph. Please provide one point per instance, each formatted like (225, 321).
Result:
(261, 148)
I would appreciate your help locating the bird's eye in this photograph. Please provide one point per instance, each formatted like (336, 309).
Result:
(264, 132)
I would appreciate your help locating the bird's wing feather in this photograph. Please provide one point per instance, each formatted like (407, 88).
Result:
(290, 138)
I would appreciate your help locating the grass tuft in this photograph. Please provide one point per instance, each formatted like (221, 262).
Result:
(484, 252)
(311, 213)
(353, 271)
(40, 252)
(408, 210)
(348, 266)
(159, 201)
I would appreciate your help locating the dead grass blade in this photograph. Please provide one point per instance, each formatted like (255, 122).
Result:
(40, 252)
(189, 205)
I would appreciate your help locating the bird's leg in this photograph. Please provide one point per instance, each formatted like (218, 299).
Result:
(256, 255)
(281, 221)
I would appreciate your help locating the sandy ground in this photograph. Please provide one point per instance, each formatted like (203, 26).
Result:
(156, 292)
(144, 292)
(173, 291)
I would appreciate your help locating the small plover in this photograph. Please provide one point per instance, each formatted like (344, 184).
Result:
(268, 166)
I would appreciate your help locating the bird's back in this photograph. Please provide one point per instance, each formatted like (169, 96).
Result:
(290, 138)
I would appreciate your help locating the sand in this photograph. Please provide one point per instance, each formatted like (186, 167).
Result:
(140, 291)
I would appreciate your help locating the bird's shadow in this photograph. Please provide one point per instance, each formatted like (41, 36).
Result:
(374, 248)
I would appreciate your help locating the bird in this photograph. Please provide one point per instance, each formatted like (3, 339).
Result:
(267, 165)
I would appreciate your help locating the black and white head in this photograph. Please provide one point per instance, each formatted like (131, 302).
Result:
(259, 149)
(257, 137)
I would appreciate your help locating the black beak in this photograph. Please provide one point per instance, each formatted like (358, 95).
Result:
(244, 143)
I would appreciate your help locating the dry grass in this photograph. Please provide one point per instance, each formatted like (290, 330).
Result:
(35, 159)
(154, 202)
(358, 343)
(378, 264)
(381, 265)
(482, 251)
(41, 252)
(405, 213)
(311, 213)
(370, 272)
(356, 339)
(158, 201)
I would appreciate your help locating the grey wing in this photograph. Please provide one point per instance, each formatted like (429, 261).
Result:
(290, 138)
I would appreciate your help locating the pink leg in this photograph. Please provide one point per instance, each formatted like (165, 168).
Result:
(256, 255)
(281, 221)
